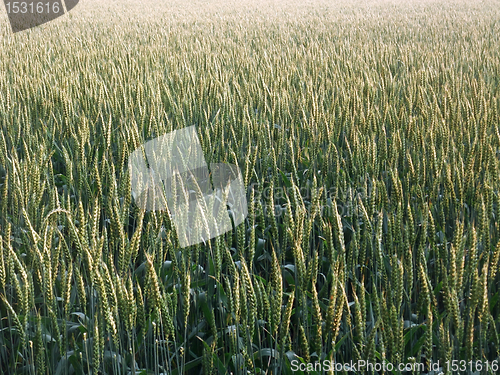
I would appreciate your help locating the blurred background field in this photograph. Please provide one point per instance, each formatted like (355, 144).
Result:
(368, 139)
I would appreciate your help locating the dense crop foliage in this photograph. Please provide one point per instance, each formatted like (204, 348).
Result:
(368, 139)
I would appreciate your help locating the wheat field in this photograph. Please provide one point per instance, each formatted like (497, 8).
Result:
(367, 135)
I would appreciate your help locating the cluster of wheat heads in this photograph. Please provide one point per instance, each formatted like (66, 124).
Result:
(368, 139)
